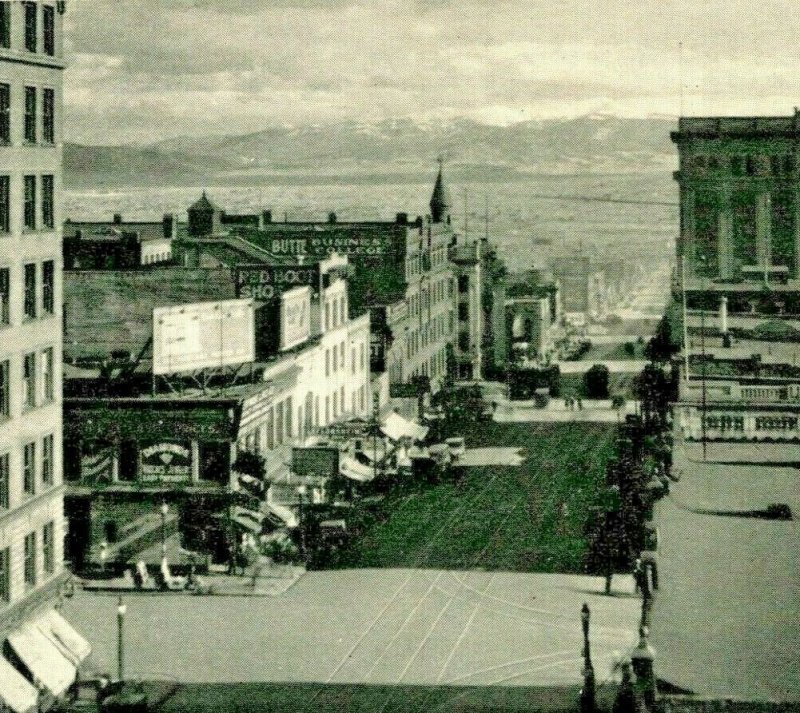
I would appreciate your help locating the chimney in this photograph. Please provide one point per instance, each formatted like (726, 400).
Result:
(266, 216)
(401, 219)
(331, 217)
(117, 218)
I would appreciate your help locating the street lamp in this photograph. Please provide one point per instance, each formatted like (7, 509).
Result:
(121, 611)
(301, 493)
(164, 511)
(642, 658)
(588, 690)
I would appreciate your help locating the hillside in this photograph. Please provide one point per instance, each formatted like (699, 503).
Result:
(392, 150)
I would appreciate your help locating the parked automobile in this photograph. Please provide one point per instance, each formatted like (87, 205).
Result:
(457, 446)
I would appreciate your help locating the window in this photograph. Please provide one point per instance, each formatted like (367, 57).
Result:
(48, 287)
(30, 203)
(341, 355)
(335, 404)
(47, 460)
(5, 213)
(5, 112)
(5, 390)
(30, 560)
(49, 548)
(341, 397)
(327, 315)
(335, 353)
(327, 409)
(5, 472)
(49, 26)
(353, 360)
(29, 469)
(5, 24)
(31, 29)
(5, 292)
(47, 375)
(463, 311)
(289, 414)
(5, 569)
(30, 115)
(327, 362)
(48, 212)
(49, 116)
(29, 380)
(463, 283)
(30, 290)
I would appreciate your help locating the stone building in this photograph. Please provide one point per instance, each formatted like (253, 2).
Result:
(33, 670)
(737, 288)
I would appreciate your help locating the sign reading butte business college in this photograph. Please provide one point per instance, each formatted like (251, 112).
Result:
(267, 282)
(327, 242)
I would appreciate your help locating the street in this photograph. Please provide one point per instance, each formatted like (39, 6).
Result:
(398, 626)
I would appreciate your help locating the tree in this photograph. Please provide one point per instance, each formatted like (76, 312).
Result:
(596, 382)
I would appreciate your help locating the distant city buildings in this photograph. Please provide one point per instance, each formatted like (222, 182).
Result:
(738, 269)
(118, 245)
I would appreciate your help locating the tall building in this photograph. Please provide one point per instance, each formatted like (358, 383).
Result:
(738, 277)
(31, 499)
(34, 667)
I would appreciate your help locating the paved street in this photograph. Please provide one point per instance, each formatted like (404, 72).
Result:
(727, 619)
(371, 626)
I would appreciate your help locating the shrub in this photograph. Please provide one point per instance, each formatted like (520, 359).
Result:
(596, 382)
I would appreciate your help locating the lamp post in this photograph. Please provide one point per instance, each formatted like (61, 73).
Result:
(588, 690)
(301, 493)
(121, 611)
(164, 511)
(642, 658)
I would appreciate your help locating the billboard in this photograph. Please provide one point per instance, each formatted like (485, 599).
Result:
(318, 462)
(295, 317)
(267, 282)
(201, 335)
(170, 462)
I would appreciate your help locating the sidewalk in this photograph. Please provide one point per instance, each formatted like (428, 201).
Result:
(556, 412)
(269, 581)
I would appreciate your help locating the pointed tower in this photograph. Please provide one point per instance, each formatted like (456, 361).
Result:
(440, 200)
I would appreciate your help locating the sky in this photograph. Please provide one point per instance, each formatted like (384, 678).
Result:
(144, 70)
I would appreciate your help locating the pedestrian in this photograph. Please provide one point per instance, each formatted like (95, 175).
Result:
(580, 405)
(638, 575)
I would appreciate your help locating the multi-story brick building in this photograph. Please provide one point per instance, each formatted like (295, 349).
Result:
(31, 491)
(400, 273)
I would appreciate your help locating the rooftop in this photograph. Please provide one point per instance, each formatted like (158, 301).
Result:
(737, 126)
(107, 310)
(112, 230)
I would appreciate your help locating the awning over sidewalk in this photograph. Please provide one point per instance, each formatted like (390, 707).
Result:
(250, 520)
(68, 641)
(352, 469)
(397, 427)
(16, 692)
(49, 666)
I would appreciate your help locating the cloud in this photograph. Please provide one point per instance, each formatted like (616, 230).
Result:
(240, 65)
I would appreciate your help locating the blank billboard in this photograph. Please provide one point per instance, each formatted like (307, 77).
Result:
(203, 335)
(295, 317)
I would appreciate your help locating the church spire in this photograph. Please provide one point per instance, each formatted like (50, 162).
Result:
(440, 200)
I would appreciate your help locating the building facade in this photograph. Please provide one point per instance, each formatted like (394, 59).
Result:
(738, 270)
(31, 490)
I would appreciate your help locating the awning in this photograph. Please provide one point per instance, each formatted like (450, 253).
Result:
(49, 666)
(68, 641)
(397, 427)
(16, 692)
(351, 468)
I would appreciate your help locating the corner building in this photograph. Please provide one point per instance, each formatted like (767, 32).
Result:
(31, 495)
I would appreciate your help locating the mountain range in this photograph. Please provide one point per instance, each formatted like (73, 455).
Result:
(392, 150)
